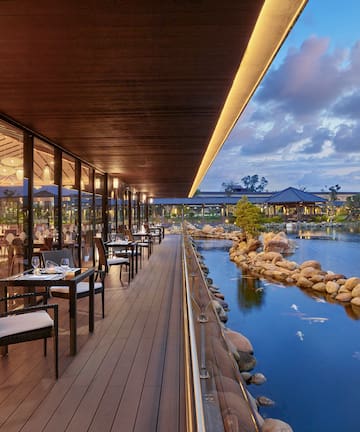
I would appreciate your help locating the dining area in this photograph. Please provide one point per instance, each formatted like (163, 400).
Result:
(121, 372)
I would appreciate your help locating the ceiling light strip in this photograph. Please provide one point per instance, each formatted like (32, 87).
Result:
(275, 21)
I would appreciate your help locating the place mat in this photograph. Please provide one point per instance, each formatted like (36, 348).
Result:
(30, 276)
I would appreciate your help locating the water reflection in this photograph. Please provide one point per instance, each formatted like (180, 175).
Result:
(250, 291)
(302, 339)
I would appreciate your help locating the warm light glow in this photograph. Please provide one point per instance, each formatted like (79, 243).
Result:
(115, 183)
(46, 174)
(97, 183)
(11, 161)
(6, 171)
(144, 197)
(273, 25)
(20, 174)
(151, 200)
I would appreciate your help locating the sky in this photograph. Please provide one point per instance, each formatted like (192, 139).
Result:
(302, 126)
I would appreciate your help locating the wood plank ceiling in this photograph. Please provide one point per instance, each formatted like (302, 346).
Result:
(134, 87)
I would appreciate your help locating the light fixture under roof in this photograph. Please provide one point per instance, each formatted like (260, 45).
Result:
(12, 161)
(6, 170)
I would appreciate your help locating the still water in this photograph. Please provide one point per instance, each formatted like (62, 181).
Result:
(308, 349)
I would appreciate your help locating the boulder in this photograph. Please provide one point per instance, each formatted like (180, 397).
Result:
(289, 265)
(303, 282)
(246, 361)
(355, 301)
(356, 291)
(332, 287)
(240, 341)
(278, 243)
(235, 412)
(270, 256)
(320, 286)
(333, 276)
(344, 296)
(274, 425)
(264, 401)
(258, 378)
(309, 271)
(351, 283)
(311, 263)
(317, 278)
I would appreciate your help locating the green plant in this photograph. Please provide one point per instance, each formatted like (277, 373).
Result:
(248, 217)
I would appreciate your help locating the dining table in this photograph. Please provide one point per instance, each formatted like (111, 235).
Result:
(126, 247)
(31, 281)
(144, 237)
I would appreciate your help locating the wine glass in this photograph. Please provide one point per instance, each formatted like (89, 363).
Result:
(35, 262)
(65, 263)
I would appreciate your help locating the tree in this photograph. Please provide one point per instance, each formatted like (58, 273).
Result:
(253, 184)
(353, 205)
(249, 184)
(229, 187)
(333, 192)
(248, 217)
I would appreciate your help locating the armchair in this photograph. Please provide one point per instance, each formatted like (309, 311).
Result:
(29, 323)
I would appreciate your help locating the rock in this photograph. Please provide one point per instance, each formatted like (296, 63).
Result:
(207, 229)
(355, 301)
(258, 378)
(265, 401)
(278, 243)
(302, 282)
(343, 289)
(236, 412)
(309, 271)
(317, 278)
(246, 361)
(344, 296)
(289, 265)
(332, 287)
(220, 311)
(356, 291)
(246, 376)
(311, 263)
(351, 283)
(270, 256)
(253, 245)
(274, 425)
(320, 286)
(333, 276)
(240, 341)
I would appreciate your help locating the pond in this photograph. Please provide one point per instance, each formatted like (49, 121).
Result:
(308, 349)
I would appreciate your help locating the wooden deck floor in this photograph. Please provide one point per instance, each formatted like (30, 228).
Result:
(127, 376)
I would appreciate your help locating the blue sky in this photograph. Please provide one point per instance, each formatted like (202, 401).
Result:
(302, 126)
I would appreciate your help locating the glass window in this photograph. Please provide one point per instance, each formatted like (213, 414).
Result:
(87, 216)
(12, 200)
(70, 206)
(45, 197)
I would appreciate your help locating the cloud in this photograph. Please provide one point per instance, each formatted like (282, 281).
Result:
(310, 79)
(346, 139)
(302, 127)
(348, 106)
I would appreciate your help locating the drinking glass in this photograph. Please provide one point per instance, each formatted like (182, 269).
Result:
(35, 262)
(65, 263)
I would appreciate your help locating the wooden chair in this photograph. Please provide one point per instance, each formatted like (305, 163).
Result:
(104, 263)
(143, 244)
(82, 288)
(30, 323)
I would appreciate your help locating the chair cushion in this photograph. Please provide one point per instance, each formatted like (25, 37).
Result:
(81, 287)
(118, 260)
(14, 324)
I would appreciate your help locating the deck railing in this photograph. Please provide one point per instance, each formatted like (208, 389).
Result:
(210, 366)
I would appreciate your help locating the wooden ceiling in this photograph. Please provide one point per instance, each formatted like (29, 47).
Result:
(134, 87)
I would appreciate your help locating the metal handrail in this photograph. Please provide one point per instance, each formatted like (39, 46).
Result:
(190, 344)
